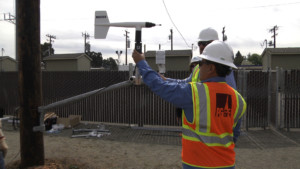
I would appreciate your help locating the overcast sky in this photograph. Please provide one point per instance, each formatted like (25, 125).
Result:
(247, 24)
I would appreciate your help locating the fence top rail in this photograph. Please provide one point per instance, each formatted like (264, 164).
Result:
(42, 109)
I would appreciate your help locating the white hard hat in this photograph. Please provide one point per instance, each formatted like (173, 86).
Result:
(219, 52)
(208, 34)
(196, 59)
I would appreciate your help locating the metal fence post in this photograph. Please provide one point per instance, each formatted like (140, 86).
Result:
(277, 114)
(245, 74)
(130, 69)
(242, 88)
(282, 98)
(279, 118)
(269, 94)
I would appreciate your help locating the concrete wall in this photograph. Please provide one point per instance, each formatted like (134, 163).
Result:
(286, 61)
(173, 63)
(286, 58)
(61, 65)
(83, 64)
(266, 61)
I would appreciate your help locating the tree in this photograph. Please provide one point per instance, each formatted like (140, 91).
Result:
(97, 59)
(238, 59)
(110, 64)
(45, 50)
(256, 59)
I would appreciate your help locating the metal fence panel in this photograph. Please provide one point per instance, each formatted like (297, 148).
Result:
(292, 99)
(9, 98)
(257, 99)
(138, 105)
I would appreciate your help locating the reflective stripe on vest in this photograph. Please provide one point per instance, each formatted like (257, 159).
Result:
(195, 75)
(195, 78)
(207, 141)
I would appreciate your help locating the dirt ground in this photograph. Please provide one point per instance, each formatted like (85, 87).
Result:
(255, 149)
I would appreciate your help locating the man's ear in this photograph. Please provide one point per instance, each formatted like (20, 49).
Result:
(212, 68)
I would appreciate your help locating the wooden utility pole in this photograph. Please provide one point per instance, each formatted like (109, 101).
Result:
(50, 41)
(273, 30)
(224, 37)
(126, 45)
(86, 44)
(30, 93)
(171, 38)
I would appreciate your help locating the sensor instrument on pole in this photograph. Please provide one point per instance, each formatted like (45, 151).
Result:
(102, 25)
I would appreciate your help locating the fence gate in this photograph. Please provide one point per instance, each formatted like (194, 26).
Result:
(253, 86)
(288, 97)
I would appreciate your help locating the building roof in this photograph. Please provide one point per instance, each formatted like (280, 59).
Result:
(170, 53)
(250, 67)
(69, 56)
(246, 62)
(7, 57)
(281, 51)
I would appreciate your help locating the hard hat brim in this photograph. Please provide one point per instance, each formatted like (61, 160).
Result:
(195, 59)
(207, 39)
(220, 61)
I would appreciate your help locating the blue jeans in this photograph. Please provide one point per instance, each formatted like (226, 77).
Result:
(1, 160)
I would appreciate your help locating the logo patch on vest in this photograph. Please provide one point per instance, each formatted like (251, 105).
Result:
(223, 105)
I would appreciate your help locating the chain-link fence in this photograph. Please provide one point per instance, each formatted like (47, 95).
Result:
(269, 100)
(253, 85)
(9, 99)
(291, 99)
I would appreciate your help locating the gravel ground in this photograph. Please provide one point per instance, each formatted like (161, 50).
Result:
(127, 147)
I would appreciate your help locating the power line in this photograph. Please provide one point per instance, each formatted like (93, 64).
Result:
(272, 5)
(174, 24)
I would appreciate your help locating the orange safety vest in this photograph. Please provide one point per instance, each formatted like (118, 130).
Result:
(207, 141)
